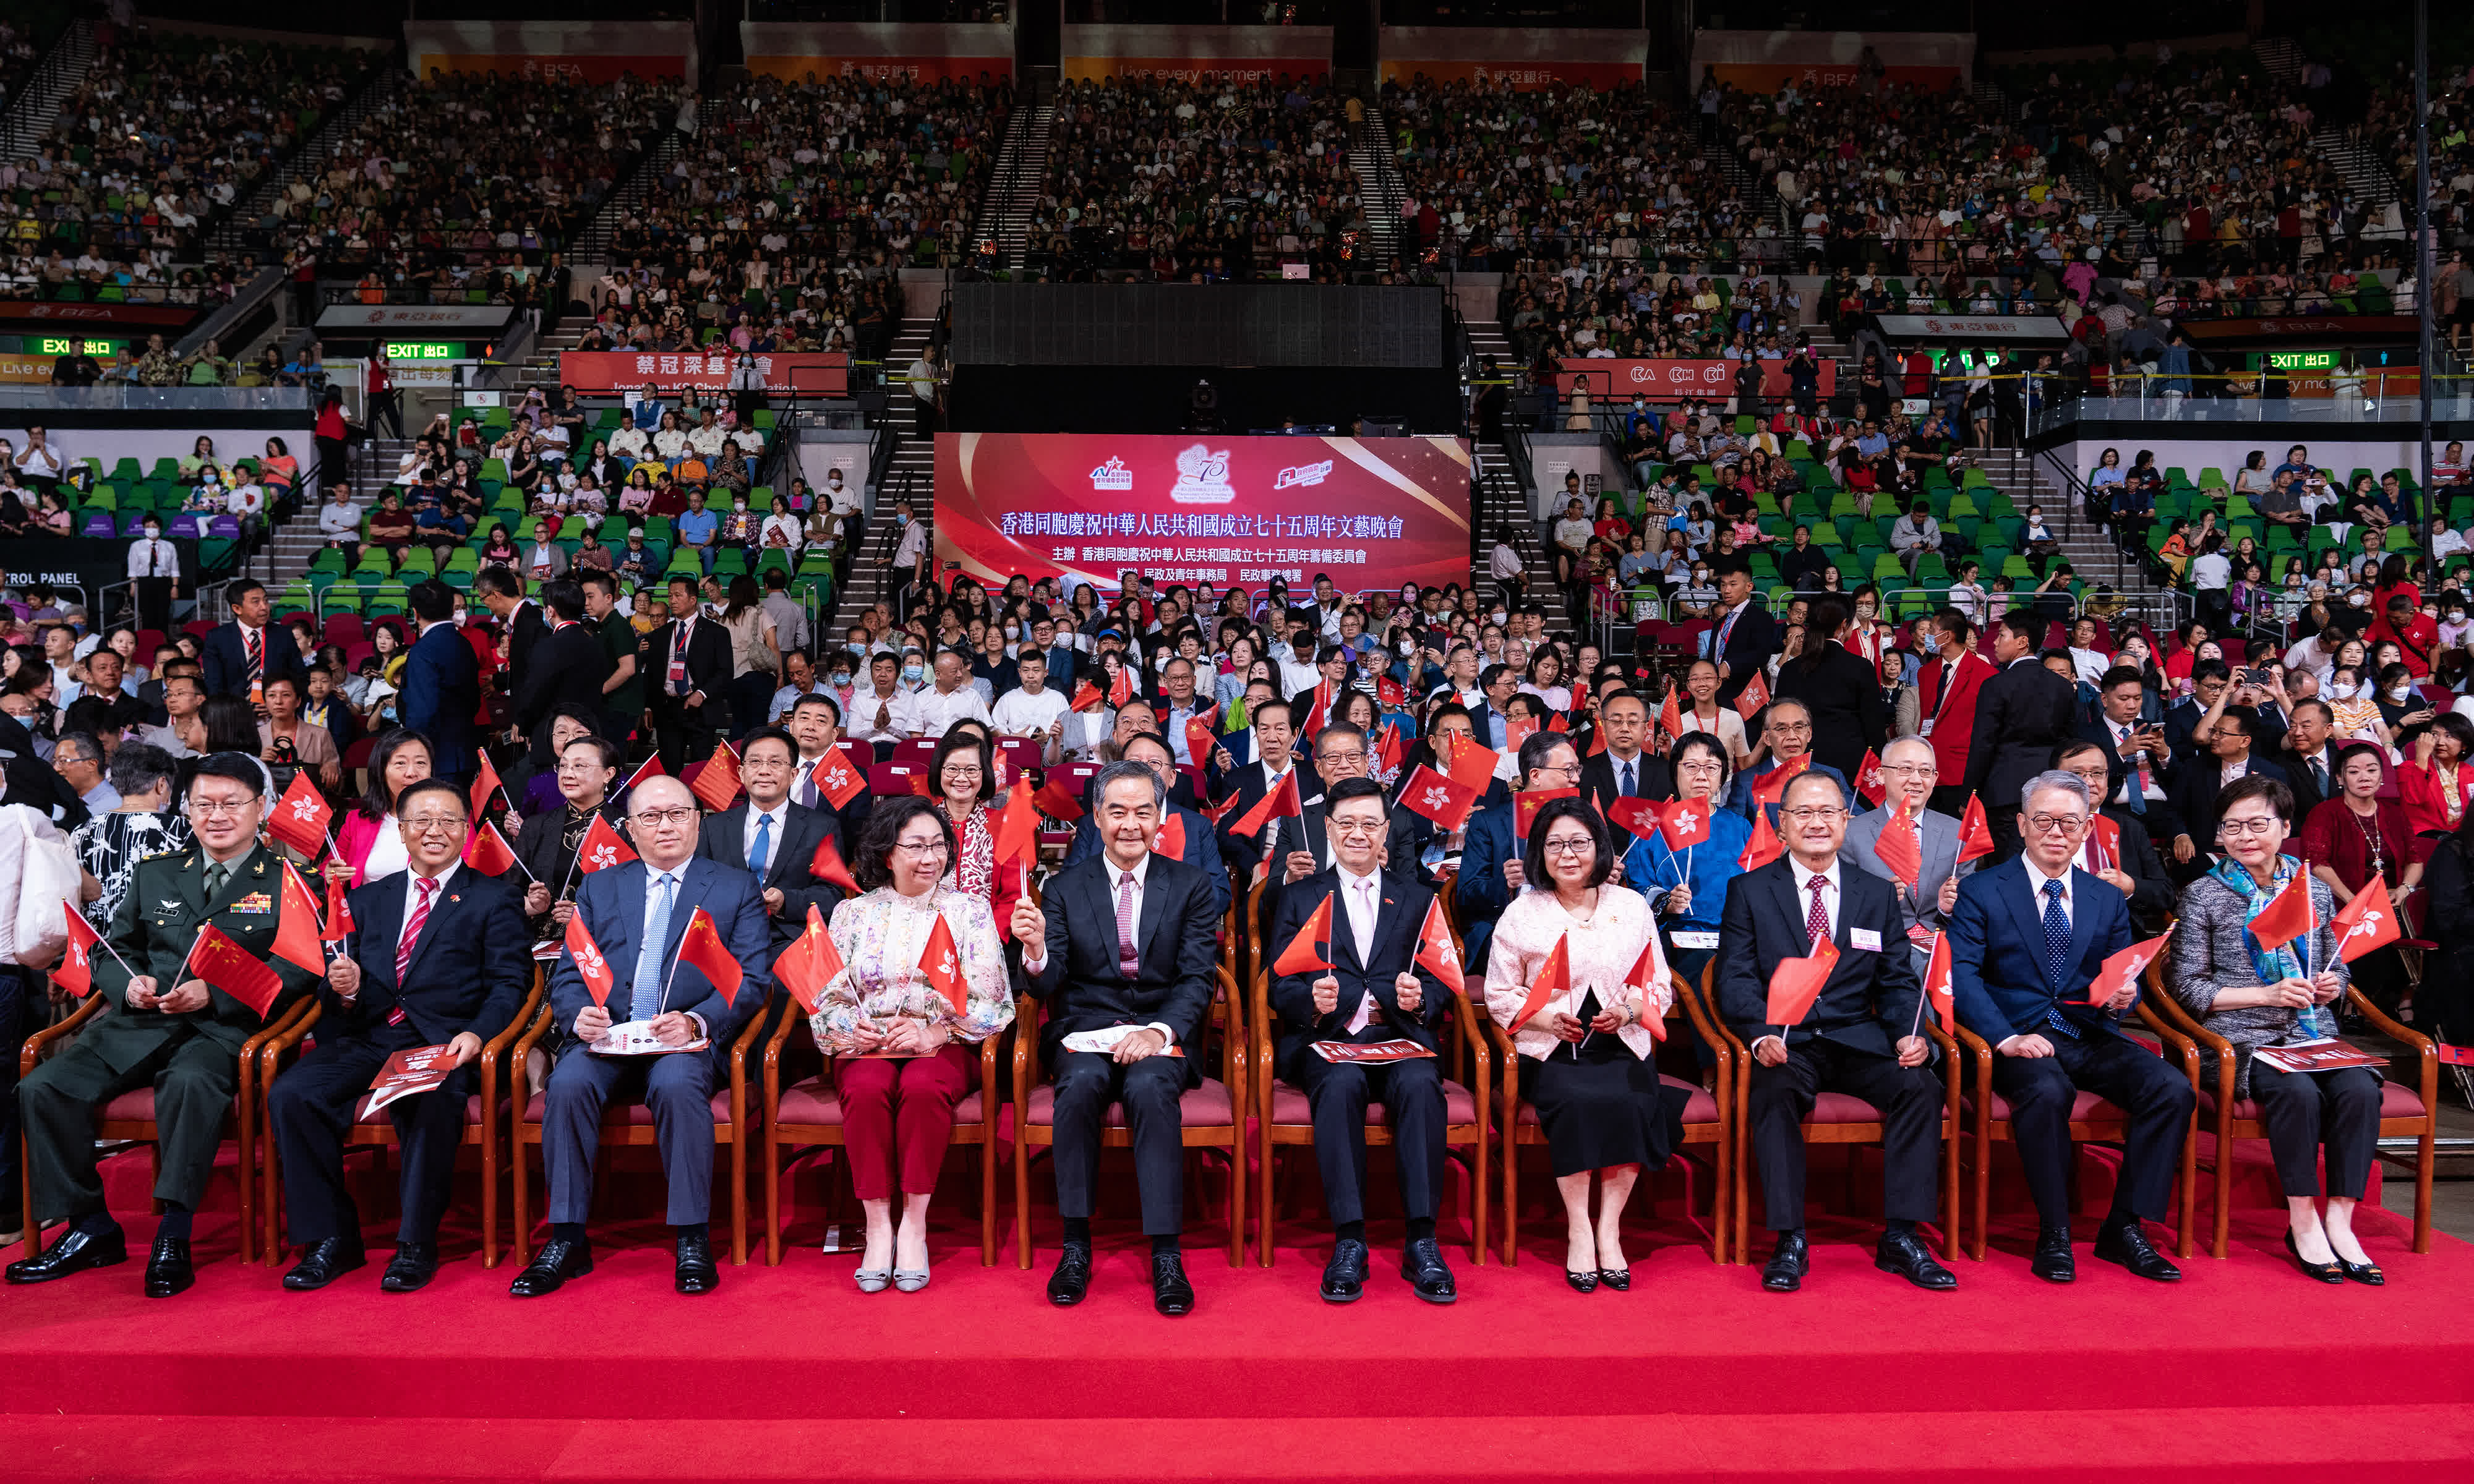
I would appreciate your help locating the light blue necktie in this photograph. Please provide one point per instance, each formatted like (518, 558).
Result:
(2057, 950)
(649, 953)
(761, 846)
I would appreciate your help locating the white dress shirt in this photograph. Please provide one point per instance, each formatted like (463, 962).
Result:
(1117, 880)
(152, 559)
(1022, 713)
(2132, 765)
(2036, 879)
(779, 815)
(931, 710)
(1358, 899)
(862, 718)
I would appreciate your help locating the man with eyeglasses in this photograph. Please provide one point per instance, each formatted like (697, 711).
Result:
(1860, 1037)
(1625, 770)
(2027, 939)
(2022, 714)
(1302, 845)
(1785, 745)
(437, 957)
(2222, 752)
(1490, 871)
(2129, 864)
(160, 1026)
(1910, 771)
(637, 913)
(774, 838)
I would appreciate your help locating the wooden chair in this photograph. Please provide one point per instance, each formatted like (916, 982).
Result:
(805, 1115)
(2404, 1111)
(629, 1124)
(2093, 1119)
(1212, 1115)
(131, 1116)
(1708, 1118)
(485, 1114)
(1287, 1119)
(1837, 1118)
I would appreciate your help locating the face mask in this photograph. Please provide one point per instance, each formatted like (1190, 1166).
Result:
(842, 679)
(154, 530)
(899, 520)
(2456, 617)
(2400, 692)
(911, 673)
(2358, 600)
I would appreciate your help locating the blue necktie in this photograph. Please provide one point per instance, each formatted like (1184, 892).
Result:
(761, 846)
(1627, 789)
(2057, 952)
(649, 952)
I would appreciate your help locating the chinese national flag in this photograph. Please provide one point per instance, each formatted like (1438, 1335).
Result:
(339, 913)
(2125, 966)
(1553, 978)
(1390, 692)
(1764, 845)
(1900, 849)
(1122, 690)
(1473, 766)
(296, 926)
(1684, 821)
(300, 817)
(1317, 711)
(1670, 717)
(601, 847)
(837, 779)
(484, 784)
(1437, 954)
(1975, 835)
(2286, 917)
(1517, 731)
(701, 948)
(487, 851)
(650, 768)
(1280, 802)
(1439, 798)
(1869, 786)
(1306, 952)
(232, 969)
(1755, 695)
(808, 966)
(1171, 839)
(1526, 804)
(1557, 723)
(826, 866)
(1017, 825)
(2367, 923)
(1200, 739)
(1648, 972)
(1772, 786)
(76, 971)
(716, 784)
(1640, 816)
(1937, 985)
(1057, 801)
(942, 963)
(588, 962)
(1389, 749)
(1087, 697)
(1798, 983)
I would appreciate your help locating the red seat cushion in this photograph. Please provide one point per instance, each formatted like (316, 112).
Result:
(2396, 1101)
(1842, 1108)
(815, 1101)
(1701, 1107)
(136, 1103)
(628, 1113)
(1200, 1108)
(1290, 1106)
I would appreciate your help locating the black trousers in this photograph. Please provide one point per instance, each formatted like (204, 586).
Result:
(684, 735)
(1086, 1082)
(153, 603)
(194, 1080)
(1412, 1095)
(2308, 1112)
(2002, 822)
(2041, 1089)
(1950, 799)
(1910, 1104)
(313, 1106)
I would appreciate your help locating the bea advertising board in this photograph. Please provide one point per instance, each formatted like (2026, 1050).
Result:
(1374, 513)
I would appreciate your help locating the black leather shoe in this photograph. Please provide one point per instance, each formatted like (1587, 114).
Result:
(2052, 1261)
(2368, 1273)
(1171, 1294)
(323, 1262)
(1617, 1279)
(167, 1268)
(1786, 1267)
(1072, 1279)
(1579, 1281)
(2128, 1245)
(1421, 1264)
(413, 1266)
(551, 1267)
(1903, 1254)
(695, 1272)
(73, 1252)
(1344, 1277)
(2324, 1272)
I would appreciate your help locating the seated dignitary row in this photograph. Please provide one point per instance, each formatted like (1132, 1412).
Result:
(670, 955)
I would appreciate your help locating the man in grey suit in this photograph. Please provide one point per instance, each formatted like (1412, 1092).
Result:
(1910, 772)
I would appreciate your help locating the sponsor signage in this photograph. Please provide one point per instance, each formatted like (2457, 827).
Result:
(1617, 380)
(803, 373)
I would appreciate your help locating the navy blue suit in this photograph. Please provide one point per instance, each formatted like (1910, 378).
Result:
(677, 1088)
(227, 660)
(2005, 987)
(441, 691)
(1479, 894)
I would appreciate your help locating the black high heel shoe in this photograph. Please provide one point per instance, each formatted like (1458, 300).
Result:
(2367, 1273)
(1581, 1282)
(2324, 1272)
(1617, 1279)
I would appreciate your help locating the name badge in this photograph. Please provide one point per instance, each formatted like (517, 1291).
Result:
(1925, 729)
(1865, 937)
(1694, 938)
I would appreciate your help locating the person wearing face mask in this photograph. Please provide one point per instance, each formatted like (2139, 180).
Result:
(155, 574)
(911, 552)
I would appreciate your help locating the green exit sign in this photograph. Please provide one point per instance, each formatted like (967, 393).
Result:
(67, 345)
(2302, 360)
(424, 351)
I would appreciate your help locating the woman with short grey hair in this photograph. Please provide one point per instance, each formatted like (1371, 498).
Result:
(109, 845)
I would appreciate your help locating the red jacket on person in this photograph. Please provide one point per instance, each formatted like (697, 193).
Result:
(1952, 725)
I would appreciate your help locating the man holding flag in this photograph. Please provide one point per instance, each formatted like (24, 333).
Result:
(1369, 978)
(1832, 936)
(686, 942)
(1907, 845)
(166, 1022)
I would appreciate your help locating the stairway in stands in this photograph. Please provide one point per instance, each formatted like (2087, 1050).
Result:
(1501, 502)
(1374, 158)
(296, 542)
(233, 233)
(32, 112)
(592, 253)
(1009, 203)
(2364, 173)
(911, 470)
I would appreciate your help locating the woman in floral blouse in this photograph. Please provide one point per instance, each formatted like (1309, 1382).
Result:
(896, 1039)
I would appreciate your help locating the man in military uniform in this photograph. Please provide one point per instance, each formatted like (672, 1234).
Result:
(158, 1028)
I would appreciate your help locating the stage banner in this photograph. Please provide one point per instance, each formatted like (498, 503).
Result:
(1375, 513)
(1617, 381)
(807, 373)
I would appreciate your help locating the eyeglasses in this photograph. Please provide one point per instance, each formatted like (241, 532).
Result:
(2057, 823)
(1356, 754)
(649, 817)
(924, 849)
(2254, 827)
(1356, 829)
(215, 807)
(1791, 729)
(433, 824)
(1577, 845)
(1911, 768)
(1808, 813)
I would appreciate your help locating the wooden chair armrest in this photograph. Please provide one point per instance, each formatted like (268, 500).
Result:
(2425, 1051)
(32, 1050)
(1974, 1046)
(1948, 1045)
(271, 1046)
(498, 1045)
(1025, 1046)
(530, 1038)
(304, 1010)
(1261, 1027)
(1477, 1051)
(1714, 1030)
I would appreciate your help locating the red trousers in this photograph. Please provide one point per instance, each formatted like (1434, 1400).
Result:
(901, 1112)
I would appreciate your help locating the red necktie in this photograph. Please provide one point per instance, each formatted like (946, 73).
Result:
(255, 644)
(428, 889)
(1817, 922)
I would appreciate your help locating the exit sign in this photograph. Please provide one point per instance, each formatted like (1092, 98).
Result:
(2302, 360)
(67, 345)
(424, 351)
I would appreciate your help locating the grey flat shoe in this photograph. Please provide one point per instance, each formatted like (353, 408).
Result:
(909, 1282)
(872, 1279)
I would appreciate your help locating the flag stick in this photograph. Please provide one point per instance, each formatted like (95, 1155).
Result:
(1923, 993)
(565, 880)
(115, 955)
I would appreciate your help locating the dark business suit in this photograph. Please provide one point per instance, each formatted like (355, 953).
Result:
(677, 1088)
(567, 667)
(2194, 796)
(2153, 895)
(1087, 991)
(851, 819)
(1651, 778)
(227, 660)
(2022, 714)
(1309, 832)
(192, 1060)
(2156, 815)
(2000, 979)
(542, 845)
(1411, 1091)
(724, 839)
(469, 971)
(682, 730)
(1843, 696)
(441, 693)
(2310, 790)
(529, 626)
(1478, 891)
(1747, 644)
(1250, 786)
(1846, 1043)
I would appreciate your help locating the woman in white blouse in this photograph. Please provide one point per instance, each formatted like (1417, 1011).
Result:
(897, 1042)
(1585, 1051)
(782, 531)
